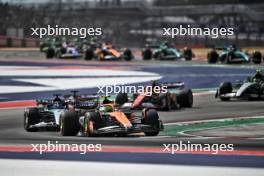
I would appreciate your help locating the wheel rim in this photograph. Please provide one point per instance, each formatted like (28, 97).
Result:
(174, 100)
(168, 102)
(190, 99)
(88, 128)
(26, 121)
(61, 125)
(86, 132)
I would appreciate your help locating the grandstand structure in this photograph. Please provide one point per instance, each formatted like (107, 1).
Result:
(133, 22)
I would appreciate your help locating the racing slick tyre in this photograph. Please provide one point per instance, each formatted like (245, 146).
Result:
(50, 53)
(31, 117)
(225, 87)
(256, 57)
(165, 101)
(188, 54)
(69, 123)
(127, 55)
(89, 54)
(147, 54)
(121, 98)
(229, 57)
(63, 50)
(222, 58)
(174, 102)
(212, 57)
(152, 118)
(92, 121)
(185, 98)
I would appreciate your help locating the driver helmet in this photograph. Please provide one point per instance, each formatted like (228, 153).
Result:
(106, 100)
(258, 73)
(57, 99)
(165, 45)
(106, 108)
(233, 47)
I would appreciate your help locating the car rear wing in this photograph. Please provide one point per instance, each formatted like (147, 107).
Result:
(173, 85)
(44, 101)
(221, 48)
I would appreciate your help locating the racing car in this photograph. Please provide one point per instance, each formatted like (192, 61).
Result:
(45, 44)
(106, 52)
(60, 47)
(165, 52)
(250, 89)
(66, 50)
(231, 54)
(46, 115)
(110, 119)
(176, 97)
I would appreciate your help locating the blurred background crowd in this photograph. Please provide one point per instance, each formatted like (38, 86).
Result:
(134, 22)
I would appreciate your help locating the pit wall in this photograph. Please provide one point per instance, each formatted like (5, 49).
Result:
(6, 41)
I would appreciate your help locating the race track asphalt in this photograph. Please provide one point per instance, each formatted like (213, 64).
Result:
(206, 107)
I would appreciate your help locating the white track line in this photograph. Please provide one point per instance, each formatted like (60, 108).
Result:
(120, 77)
(43, 168)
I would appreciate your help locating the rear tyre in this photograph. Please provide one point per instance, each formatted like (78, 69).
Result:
(69, 124)
(212, 57)
(185, 98)
(188, 54)
(31, 117)
(257, 57)
(121, 98)
(152, 118)
(128, 55)
(92, 122)
(165, 101)
(89, 54)
(147, 54)
(50, 53)
(224, 88)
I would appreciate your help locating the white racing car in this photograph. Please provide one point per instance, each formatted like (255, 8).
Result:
(250, 89)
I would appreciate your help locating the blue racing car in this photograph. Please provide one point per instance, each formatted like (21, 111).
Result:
(47, 113)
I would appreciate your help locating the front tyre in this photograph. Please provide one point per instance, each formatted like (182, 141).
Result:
(224, 88)
(152, 118)
(92, 122)
(256, 57)
(31, 117)
(69, 123)
(185, 98)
